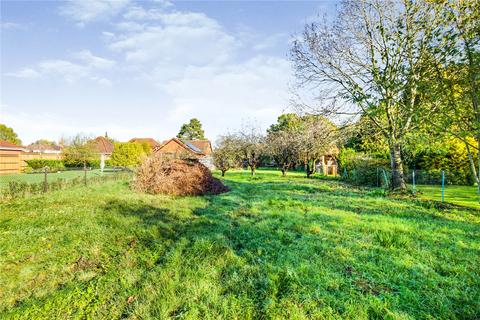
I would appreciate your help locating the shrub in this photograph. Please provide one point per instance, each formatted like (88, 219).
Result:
(77, 163)
(127, 154)
(158, 174)
(361, 169)
(53, 165)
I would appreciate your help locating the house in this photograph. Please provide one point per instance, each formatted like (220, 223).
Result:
(191, 149)
(10, 157)
(44, 148)
(103, 146)
(151, 142)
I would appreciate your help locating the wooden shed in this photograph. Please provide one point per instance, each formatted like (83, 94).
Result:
(10, 157)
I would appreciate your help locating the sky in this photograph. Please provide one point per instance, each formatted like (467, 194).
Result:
(142, 69)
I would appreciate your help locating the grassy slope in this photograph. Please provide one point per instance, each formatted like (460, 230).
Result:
(270, 248)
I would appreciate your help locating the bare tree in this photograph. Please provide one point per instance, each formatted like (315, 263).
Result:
(283, 147)
(227, 153)
(252, 146)
(370, 61)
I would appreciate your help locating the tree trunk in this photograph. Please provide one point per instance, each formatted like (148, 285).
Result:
(85, 172)
(223, 173)
(283, 172)
(398, 179)
(252, 170)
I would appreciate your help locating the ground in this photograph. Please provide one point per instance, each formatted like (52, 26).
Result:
(39, 177)
(271, 248)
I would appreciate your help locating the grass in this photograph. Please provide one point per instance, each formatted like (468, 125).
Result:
(38, 177)
(466, 196)
(271, 248)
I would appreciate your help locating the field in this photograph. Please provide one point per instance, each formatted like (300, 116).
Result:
(39, 177)
(271, 248)
(466, 196)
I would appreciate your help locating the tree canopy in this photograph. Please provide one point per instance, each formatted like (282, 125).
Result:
(191, 130)
(7, 134)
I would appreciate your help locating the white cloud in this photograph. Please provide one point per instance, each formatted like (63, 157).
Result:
(84, 11)
(26, 73)
(12, 26)
(87, 67)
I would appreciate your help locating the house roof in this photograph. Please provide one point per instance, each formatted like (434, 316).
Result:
(152, 142)
(5, 145)
(184, 143)
(43, 147)
(103, 145)
(203, 145)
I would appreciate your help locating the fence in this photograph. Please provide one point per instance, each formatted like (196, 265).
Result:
(39, 183)
(446, 187)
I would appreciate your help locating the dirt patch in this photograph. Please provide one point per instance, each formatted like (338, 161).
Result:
(161, 175)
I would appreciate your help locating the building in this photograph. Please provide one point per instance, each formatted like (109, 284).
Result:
(103, 146)
(190, 149)
(44, 148)
(151, 142)
(10, 157)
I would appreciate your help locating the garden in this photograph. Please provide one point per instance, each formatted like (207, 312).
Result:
(272, 247)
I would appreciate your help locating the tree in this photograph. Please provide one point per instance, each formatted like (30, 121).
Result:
(251, 144)
(7, 134)
(45, 142)
(371, 61)
(286, 121)
(227, 153)
(192, 130)
(283, 147)
(127, 154)
(80, 149)
(317, 137)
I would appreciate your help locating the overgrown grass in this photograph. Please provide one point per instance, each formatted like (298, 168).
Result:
(272, 248)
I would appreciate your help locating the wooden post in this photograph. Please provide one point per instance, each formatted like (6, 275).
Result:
(45, 179)
(85, 172)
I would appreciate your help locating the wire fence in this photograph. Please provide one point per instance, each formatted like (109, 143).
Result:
(437, 185)
(23, 185)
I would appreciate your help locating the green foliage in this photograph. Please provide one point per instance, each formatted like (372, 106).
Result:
(361, 169)
(7, 134)
(272, 248)
(53, 165)
(286, 122)
(127, 154)
(192, 130)
(45, 142)
(80, 152)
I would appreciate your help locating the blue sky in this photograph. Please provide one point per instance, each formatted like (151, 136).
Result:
(141, 69)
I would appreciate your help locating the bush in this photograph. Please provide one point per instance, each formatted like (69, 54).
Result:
(53, 165)
(77, 163)
(361, 169)
(127, 154)
(158, 174)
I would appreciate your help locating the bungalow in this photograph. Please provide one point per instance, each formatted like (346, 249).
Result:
(192, 149)
(44, 148)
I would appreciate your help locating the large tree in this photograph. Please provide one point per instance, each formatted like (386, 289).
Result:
(191, 130)
(371, 61)
(7, 134)
(251, 144)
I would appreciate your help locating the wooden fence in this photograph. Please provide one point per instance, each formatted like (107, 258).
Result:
(13, 161)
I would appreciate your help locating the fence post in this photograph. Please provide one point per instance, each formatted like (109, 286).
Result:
(413, 181)
(45, 179)
(85, 173)
(443, 186)
(386, 179)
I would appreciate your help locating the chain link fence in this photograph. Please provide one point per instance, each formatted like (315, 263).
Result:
(435, 185)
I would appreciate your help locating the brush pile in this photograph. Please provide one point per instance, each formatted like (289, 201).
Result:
(161, 175)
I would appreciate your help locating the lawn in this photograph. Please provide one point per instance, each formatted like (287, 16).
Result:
(271, 248)
(39, 177)
(466, 196)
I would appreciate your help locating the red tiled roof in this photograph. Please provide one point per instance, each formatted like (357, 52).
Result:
(8, 145)
(43, 147)
(185, 144)
(152, 142)
(103, 145)
(204, 145)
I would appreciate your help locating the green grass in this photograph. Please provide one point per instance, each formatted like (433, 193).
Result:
(466, 196)
(271, 248)
(38, 177)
